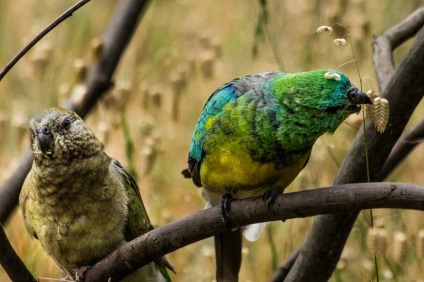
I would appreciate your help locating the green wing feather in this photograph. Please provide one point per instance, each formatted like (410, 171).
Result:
(138, 219)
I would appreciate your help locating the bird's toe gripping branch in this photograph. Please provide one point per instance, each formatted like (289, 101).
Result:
(224, 208)
(270, 196)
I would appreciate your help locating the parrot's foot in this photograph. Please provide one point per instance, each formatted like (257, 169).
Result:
(269, 197)
(79, 273)
(224, 208)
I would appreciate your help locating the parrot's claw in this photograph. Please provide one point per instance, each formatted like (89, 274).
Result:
(224, 208)
(270, 196)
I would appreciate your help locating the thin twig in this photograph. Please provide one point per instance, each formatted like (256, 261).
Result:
(284, 267)
(403, 147)
(43, 33)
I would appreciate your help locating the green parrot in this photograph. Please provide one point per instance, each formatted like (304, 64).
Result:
(77, 201)
(255, 134)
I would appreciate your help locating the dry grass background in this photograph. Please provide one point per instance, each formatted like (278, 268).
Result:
(191, 48)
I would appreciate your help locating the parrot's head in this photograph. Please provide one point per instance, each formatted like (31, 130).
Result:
(327, 95)
(60, 136)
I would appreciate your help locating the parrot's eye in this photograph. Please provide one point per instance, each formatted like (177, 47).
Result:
(66, 123)
(353, 94)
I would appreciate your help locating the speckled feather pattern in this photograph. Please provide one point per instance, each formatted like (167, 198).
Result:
(80, 203)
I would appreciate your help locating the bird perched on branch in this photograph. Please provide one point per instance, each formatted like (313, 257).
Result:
(255, 135)
(77, 201)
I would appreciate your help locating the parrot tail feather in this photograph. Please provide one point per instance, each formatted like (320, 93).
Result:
(253, 231)
(228, 255)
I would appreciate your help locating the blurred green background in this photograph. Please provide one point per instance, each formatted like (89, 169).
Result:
(182, 51)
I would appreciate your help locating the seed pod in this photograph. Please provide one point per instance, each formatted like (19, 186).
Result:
(324, 29)
(206, 64)
(79, 94)
(339, 41)
(380, 113)
(332, 75)
(420, 244)
(103, 129)
(155, 96)
(96, 45)
(216, 47)
(149, 153)
(178, 82)
(80, 70)
(368, 108)
(377, 240)
(41, 57)
(122, 94)
(399, 247)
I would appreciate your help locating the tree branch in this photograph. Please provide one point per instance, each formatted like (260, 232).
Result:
(9, 193)
(10, 261)
(98, 81)
(207, 223)
(322, 249)
(119, 33)
(384, 45)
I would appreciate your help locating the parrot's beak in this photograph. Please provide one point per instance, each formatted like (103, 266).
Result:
(44, 139)
(361, 98)
(357, 98)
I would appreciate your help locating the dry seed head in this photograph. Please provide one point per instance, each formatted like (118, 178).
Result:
(205, 40)
(207, 60)
(146, 126)
(103, 132)
(149, 153)
(79, 94)
(377, 240)
(380, 113)
(41, 56)
(178, 81)
(420, 244)
(399, 248)
(96, 45)
(339, 41)
(368, 108)
(342, 264)
(122, 94)
(388, 274)
(80, 69)
(332, 75)
(325, 29)
(191, 61)
(144, 90)
(372, 94)
(64, 90)
(216, 47)
(379, 223)
(207, 251)
(245, 251)
(155, 96)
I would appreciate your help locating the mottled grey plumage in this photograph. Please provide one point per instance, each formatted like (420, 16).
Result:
(77, 201)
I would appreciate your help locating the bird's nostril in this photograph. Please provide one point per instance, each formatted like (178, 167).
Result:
(45, 130)
(44, 137)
